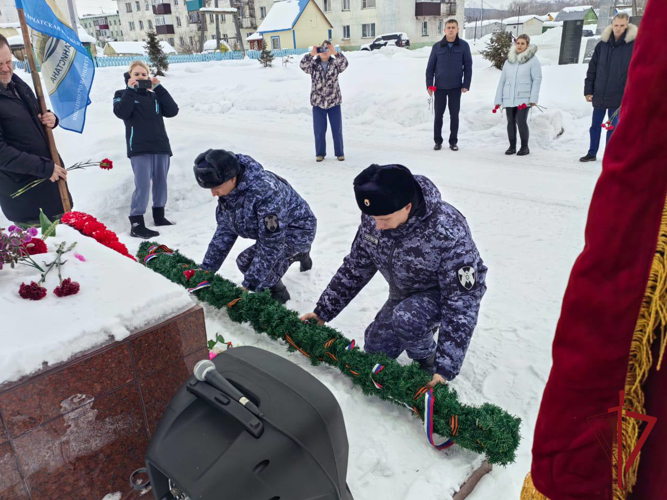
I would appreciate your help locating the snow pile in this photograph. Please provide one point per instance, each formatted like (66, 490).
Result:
(118, 297)
(578, 8)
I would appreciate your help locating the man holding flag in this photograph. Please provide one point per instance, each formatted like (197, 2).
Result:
(24, 150)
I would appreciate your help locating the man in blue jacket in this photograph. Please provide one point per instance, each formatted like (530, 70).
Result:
(256, 204)
(449, 70)
(423, 247)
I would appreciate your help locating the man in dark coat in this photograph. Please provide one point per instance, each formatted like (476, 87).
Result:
(449, 69)
(423, 247)
(256, 204)
(24, 150)
(605, 79)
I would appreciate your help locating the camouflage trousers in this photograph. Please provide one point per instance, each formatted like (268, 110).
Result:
(405, 325)
(293, 249)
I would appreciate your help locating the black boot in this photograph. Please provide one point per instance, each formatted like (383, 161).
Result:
(304, 260)
(511, 150)
(523, 151)
(139, 230)
(427, 364)
(158, 217)
(587, 158)
(279, 292)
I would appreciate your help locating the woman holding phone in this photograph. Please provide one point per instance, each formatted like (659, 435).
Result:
(143, 105)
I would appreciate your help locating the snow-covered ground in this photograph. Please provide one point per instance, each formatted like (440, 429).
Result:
(527, 216)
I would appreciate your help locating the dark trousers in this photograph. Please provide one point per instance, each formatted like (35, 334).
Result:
(320, 128)
(596, 127)
(441, 99)
(517, 118)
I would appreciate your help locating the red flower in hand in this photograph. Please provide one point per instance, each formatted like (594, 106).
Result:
(433, 88)
(32, 291)
(189, 274)
(67, 287)
(35, 246)
(106, 164)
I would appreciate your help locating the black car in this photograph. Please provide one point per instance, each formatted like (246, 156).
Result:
(397, 39)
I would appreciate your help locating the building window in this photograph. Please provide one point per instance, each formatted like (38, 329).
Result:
(176, 3)
(131, 25)
(440, 27)
(121, 32)
(171, 41)
(128, 7)
(141, 25)
(346, 4)
(210, 18)
(212, 37)
(275, 43)
(425, 28)
(138, 6)
(368, 4)
(178, 21)
(181, 41)
(327, 5)
(262, 12)
(330, 35)
(224, 20)
(346, 32)
(192, 42)
(150, 24)
(146, 3)
(368, 30)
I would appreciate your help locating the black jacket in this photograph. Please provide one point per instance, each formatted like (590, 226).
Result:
(450, 68)
(143, 113)
(25, 157)
(608, 68)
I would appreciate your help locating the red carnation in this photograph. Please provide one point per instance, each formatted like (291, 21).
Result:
(35, 246)
(189, 274)
(32, 291)
(106, 164)
(67, 287)
(105, 236)
(91, 227)
(433, 88)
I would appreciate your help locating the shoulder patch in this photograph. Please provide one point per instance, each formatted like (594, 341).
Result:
(271, 223)
(371, 238)
(467, 277)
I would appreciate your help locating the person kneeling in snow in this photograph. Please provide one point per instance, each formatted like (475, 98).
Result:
(256, 204)
(423, 247)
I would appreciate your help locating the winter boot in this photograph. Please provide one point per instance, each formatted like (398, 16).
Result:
(139, 230)
(427, 364)
(437, 147)
(158, 217)
(306, 263)
(279, 292)
(523, 151)
(319, 158)
(511, 150)
(587, 158)
(453, 147)
(340, 158)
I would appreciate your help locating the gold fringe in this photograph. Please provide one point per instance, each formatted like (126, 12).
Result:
(652, 320)
(529, 492)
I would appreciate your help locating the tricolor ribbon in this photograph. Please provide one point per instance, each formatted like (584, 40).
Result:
(377, 369)
(201, 285)
(429, 401)
(352, 345)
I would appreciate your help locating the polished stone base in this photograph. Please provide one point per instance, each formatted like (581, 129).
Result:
(78, 430)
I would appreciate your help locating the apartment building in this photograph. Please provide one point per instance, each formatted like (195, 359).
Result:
(103, 27)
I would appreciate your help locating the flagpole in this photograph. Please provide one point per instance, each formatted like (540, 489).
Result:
(37, 83)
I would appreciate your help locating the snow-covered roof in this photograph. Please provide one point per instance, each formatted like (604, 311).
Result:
(15, 40)
(573, 15)
(283, 15)
(83, 36)
(218, 10)
(553, 24)
(520, 19)
(211, 45)
(100, 14)
(138, 47)
(486, 22)
(578, 8)
(10, 25)
(254, 37)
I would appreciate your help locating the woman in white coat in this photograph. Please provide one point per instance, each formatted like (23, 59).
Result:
(518, 90)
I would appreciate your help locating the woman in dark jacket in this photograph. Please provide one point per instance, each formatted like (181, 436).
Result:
(142, 106)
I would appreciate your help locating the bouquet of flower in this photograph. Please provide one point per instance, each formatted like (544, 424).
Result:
(35, 291)
(17, 244)
(105, 164)
(608, 124)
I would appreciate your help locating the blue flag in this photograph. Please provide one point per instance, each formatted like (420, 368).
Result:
(66, 65)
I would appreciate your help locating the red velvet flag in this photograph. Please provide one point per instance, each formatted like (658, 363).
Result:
(614, 288)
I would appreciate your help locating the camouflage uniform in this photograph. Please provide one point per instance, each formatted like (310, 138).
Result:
(262, 207)
(436, 280)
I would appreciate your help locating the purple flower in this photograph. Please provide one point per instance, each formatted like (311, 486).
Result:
(26, 238)
(33, 231)
(80, 257)
(13, 228)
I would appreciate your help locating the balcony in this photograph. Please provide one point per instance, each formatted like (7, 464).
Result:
(102, 26)
(193, 5)
(438, 8)
(165, 29)
(162, 8)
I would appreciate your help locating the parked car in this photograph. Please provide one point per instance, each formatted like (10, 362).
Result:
(397, 39)
(588, 32)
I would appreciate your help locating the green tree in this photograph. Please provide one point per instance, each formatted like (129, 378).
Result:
(158, 59)
(497, 49)
(266, 57)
